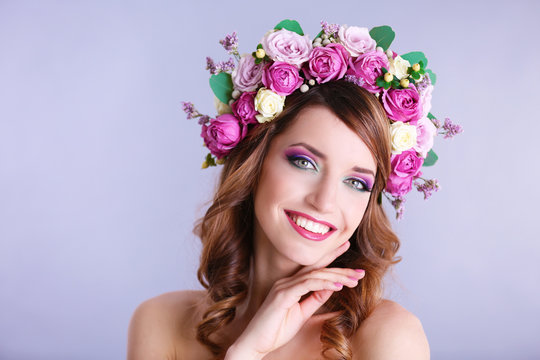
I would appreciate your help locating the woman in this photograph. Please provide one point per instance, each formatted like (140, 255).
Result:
(296, 242)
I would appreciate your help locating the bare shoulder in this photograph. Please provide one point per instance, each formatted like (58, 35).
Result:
(390, 332)
(159, 323)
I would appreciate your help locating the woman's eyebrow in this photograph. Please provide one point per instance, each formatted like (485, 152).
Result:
(322, 156)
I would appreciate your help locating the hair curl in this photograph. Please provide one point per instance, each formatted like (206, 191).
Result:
(227, 227)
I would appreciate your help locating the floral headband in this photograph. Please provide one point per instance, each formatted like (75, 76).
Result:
(253, 91)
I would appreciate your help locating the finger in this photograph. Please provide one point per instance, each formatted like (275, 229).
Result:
(287, 297)
(348, 277)
(327, 259)
(314, 302)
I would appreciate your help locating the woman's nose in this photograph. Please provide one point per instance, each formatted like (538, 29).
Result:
(323, 195)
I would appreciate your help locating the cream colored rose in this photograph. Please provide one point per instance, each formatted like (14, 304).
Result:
(268, 104)
(398, 67)
(221, 108)
(403, 137)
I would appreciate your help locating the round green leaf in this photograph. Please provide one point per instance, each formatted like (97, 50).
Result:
(383, 35)
(222, 86)
(291, 25)
(432, 76)
(415, 57)
(431, 158)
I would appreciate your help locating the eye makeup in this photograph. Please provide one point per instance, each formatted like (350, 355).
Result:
(301, 159)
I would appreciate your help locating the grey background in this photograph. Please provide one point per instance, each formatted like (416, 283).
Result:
(100, 178)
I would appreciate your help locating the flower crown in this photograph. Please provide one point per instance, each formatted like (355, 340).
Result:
(253, 91)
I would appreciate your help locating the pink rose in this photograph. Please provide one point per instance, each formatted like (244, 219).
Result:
(402, 104)
(368, 67)
(328, 63)
(287, 46)
(223, 134)
(398, 186)
(425, 99)
(425, 133)
(282, 78)
(244, 108)
(247, 76)
(406, 164)
(356, 39)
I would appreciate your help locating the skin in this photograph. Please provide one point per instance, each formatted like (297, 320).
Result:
(276, 322)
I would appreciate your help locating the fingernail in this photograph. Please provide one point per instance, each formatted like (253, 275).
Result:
(338, 285)
(360, 270)
(352, 278)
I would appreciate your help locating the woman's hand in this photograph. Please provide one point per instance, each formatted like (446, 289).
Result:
(282, 314)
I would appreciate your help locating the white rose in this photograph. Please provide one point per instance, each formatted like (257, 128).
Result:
(398, 67)
(403, 137)
(268, 104)
(356, 39)
(221, 108)
(425, 134)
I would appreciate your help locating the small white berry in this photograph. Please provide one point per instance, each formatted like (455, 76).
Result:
(380, 49)
(324, 36)
(311, 82)
(235, 94)
(326, 42)
(304, 88)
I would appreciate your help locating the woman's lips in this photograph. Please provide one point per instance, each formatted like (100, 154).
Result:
(306, 233)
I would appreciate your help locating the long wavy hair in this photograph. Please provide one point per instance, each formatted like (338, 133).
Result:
(226, 230)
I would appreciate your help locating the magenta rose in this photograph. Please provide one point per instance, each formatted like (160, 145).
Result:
(282, 78)
(247, 76)
(402, 104)
(398, 186)
(368, 67)
(223, 134)
(406, 164)
(287, 46)
(244, 108)
(328, 63)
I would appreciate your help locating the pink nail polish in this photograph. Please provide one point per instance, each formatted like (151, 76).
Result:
(360, 270)
(352, 278)
(339, 285)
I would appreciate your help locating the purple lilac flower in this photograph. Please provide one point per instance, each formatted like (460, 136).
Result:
(397, 203)
(190, 110)
(451, 129)
(211, 65)
(329, 29)
(204, 119)
(428, 187)
(222, 66)
(354, 79)
(423, 84)
(230, 43)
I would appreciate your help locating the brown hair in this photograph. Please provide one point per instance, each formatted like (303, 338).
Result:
(227, 227)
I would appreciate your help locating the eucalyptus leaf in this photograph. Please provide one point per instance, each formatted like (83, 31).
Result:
(291, 25)
(383, 36)
(222, 86)
(431, 158)
(415, 57)
(432, 76)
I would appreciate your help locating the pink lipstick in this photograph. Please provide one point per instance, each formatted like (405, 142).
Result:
(306, 233)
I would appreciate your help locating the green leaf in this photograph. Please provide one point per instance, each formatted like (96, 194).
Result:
(222, 86)
(431, 116)
(383, 35)
(259, 46)
(380, 82)
(431, 158)
(415, 57)
(291, 25)
(319, 34)
(432, 76)
(415, 75)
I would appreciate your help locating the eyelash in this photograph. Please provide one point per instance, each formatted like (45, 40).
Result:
(295, 161)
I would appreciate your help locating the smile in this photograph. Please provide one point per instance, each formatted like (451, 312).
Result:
(309, 227)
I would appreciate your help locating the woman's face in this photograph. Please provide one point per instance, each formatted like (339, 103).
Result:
(314, 188)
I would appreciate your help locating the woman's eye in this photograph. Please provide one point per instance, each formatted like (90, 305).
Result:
(302, 163)
(357, 184)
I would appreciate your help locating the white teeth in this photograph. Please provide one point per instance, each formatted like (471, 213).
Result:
(310, 225)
